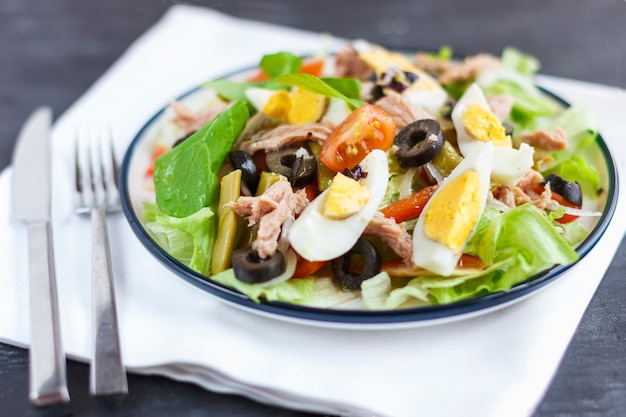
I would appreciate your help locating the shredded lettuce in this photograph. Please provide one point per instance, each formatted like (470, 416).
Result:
(573, 164)
(378, 294)
(520, 62)
(295, 290)
(189, 239)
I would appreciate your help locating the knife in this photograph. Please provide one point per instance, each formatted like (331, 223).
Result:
(31, 203)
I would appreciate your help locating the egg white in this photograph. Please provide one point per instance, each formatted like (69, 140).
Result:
(509, 164)
(318, 238)
(435, 256)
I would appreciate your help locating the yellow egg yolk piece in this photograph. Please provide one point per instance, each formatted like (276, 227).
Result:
(454, 211)
(297, 107)
(278, 105)
(306, 107)
(345, 197)
(482, 125)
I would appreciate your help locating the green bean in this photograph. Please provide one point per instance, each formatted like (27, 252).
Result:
(228, 222)
(325, 175)
(266, 181)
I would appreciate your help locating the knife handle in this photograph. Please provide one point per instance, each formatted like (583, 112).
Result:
(48, 384)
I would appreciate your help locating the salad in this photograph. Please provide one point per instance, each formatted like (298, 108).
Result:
(371, 179)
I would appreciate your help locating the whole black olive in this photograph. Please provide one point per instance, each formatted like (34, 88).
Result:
(419, 142)
(567, 189)
(350, 276)
(251, 268)
(297, 164)
(249, 174)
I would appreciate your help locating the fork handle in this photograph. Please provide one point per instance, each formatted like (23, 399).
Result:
(107, 373)
(48, 384)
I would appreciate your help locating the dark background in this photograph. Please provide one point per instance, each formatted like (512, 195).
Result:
(51, 51)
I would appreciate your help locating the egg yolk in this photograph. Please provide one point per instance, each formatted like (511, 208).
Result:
(482, 125)
(345, 197)
(297, 107)
(454, 211)
(278, 105)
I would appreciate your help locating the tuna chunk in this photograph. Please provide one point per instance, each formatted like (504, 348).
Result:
(348, 64)
(189, 121)
(270, 211)
(403, 111)
(548, 141)
(393, 235)
(470, 68)
(285, 135)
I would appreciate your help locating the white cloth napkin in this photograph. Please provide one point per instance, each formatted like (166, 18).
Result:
(498, 364)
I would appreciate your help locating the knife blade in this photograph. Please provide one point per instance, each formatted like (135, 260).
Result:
(31, 194)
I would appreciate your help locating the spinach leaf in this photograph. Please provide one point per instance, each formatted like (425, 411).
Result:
(316, 85)
(186, 177)
(280, 63)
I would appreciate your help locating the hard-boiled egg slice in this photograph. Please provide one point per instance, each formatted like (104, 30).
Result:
(476, 125)
(452, 213)
(316, 237)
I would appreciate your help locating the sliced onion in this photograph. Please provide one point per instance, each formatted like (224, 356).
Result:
(290, 268)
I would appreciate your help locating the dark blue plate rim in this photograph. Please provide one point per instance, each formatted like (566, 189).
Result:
(409, 315)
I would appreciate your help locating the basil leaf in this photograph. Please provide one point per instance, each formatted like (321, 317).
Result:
(349, 87)
(280, 63)
(186, 177)
(316, 85)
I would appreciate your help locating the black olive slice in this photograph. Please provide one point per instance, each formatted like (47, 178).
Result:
(350, 276)
(297, 164)
(302, 172)
(419, 142)
(249, 174)
(251, 268)
(567, 189)
(509, 129)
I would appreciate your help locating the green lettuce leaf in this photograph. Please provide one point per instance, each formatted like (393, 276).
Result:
(295, 290)
(520, 62)
(188, 239)
(378, 294)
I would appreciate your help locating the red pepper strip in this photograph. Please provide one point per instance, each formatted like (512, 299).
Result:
(158, 151)
(306, 268)
(314, 68)
(409, 207)
(566, 218)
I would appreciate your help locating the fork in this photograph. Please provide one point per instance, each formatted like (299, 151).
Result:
(97, 193)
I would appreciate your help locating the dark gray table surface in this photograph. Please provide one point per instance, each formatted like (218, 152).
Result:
(52, 50)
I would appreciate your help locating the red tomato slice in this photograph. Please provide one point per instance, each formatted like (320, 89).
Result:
(365, 129)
